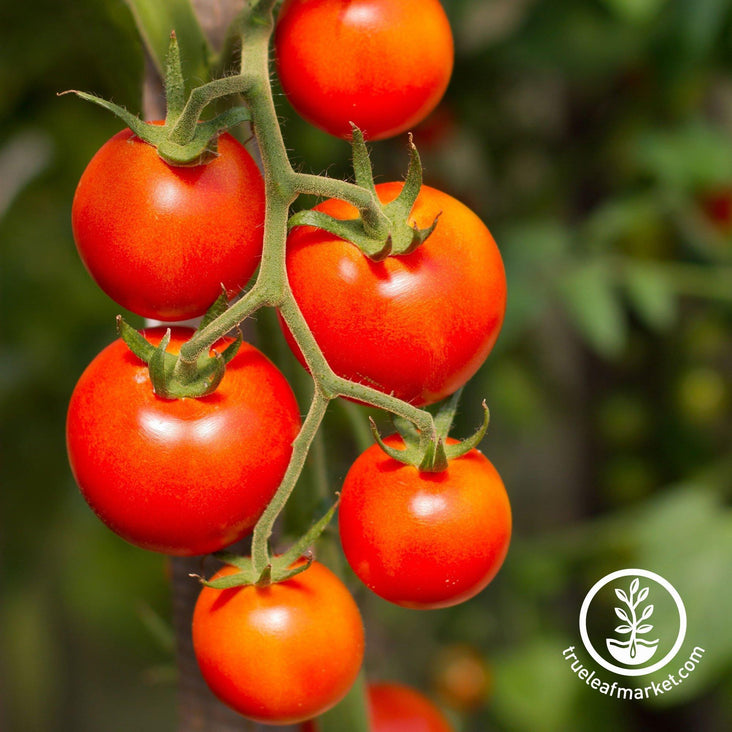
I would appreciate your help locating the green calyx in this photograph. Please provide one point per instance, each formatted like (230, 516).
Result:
(182, 140)
(171, 376)
(432, 454)
(280, 568)
(381, 230)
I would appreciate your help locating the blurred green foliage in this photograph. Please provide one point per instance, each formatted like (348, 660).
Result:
(594, 137)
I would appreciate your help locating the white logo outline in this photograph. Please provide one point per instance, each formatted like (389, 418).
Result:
(632, 573)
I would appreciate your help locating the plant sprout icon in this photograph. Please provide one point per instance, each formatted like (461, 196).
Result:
(635, 650)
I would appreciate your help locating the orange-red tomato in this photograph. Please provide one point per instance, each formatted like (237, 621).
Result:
(462, 678)
(398, 708)
(424, 540)
(279, 654)
(381, 64)
(417, 326)
(180, 476)
(160, 240)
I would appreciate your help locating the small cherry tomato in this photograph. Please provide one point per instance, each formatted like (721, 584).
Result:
(398, 708)
(381, 64)
(462, 678)
(417, 326)
(424, 540)
(717, 206)
(161, 240)
(279, 654)
(180, 476)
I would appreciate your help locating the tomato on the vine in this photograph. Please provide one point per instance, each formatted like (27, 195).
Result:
(417, 326)
(380, 64)
(424, 540)
(283, 653)
(183, 476)
(161, 240)
(398, 708)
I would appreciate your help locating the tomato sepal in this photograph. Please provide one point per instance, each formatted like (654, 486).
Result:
(431, 454)
(280, 568)
(171, 376)
(181, 140)
(379, 231)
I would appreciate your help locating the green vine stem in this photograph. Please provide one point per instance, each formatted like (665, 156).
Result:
(300, 449)
(271, 288)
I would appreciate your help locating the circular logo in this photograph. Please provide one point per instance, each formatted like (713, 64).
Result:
(632, 622)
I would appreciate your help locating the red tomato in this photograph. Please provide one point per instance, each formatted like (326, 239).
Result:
(183, 476)
(717, 205)
(424, 540)
(398, 708)
(283, 653)
(417, 326)
(161, 240)
(381, 64)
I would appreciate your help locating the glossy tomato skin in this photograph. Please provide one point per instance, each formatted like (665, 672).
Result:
(183, 476)
(424, 540)
(283, 653)
(159, 239)
(398, 708)
(381, 64)
(418, 326)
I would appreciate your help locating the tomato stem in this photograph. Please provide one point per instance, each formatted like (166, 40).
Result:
(261, 557)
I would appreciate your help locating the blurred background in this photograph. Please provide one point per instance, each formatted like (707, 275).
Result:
(594, 137)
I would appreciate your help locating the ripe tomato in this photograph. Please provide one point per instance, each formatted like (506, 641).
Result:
(381, 64)
(424, 540)
(283, 653)
(462, 677)
(183, 476)
(398, 708)
(161, 240)
(417, 326)
(717, 206)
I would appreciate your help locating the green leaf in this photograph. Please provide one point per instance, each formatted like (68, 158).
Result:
(687, 157)
(650, 295)
(592, 302)
(636, 11)
(538, 666)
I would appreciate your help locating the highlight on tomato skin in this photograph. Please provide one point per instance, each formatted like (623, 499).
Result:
(161, 240)
(424, 540)
(279, 654)
(417, 326)
(395, 707)
(180, 476)
(393, 62)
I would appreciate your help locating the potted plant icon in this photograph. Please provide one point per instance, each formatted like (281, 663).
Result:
(634, 651)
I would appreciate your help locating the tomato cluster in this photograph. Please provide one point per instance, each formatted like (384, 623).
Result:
(189, 473)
